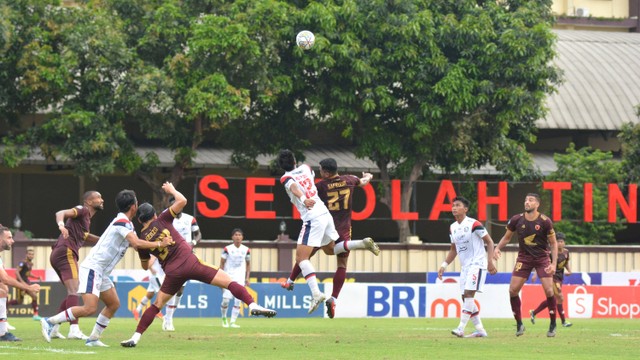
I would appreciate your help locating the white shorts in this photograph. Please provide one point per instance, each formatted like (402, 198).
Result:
(472, 278)
(318, 232)
(155, 282)
(93, 282)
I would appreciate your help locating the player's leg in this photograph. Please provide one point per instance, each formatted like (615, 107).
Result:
(560, 301)
(109, 297)
(171, 285)
(34, 305)
(295, 272)
(549, 288)
(348, 245)
(65, 263)
(172, 306)
(339, 278)
(89, 307)
(532, 313)
(224, 307)
(234, 313)
(5, 335)
(521, 272)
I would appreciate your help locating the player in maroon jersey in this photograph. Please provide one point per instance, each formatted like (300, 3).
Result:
(558, 278)
(23, 273)
(536, 238)
(74, 226)
(336, 191)
(179, 263)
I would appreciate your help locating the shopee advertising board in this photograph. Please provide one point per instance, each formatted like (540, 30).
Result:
(589, 301)
(416, 300)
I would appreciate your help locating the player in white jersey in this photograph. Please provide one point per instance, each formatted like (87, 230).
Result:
(6, 240)
(188, 227)
(468, 238)
(156, 277)
(318, 229)
(94, 271)
(235, 261)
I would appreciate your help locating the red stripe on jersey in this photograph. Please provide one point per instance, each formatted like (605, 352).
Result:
(193, 221)
(122, 222)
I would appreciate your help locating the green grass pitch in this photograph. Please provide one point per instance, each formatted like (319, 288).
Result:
(352, 339)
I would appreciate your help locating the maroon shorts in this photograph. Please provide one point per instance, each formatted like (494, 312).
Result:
(526, 263)
(191, 269)
(65, 262)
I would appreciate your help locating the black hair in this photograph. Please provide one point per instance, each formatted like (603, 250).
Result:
(234, 231)
(89, 194)
(145, 212)
(537, 196)
(125, 199)
(560, 236)
(329, 165)
(463, 200)
(286, 160)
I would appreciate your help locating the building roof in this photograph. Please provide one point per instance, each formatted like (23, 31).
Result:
(601, 81)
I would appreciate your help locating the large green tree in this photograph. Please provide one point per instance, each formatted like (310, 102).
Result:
(420, 85)
(580, 167)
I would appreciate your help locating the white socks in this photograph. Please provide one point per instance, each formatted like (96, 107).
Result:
(309, 274)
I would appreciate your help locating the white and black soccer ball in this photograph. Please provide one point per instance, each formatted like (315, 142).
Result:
(305, 39)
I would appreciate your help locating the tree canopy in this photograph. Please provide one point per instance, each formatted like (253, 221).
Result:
(417, 86)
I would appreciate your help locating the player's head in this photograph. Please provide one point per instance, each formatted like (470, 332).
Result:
(237, 235)
(460, 206)
(30, 254)
(125, 200)
(531, 202)
(560, 238)
(328, 167)
(286, 160)
(145, 212)
(6, 238)
(93, 199)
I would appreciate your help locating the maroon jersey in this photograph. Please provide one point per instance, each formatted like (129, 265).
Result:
(533, 236)
(563, 260)
(170, 257)
(337, 194)
(24, 268)
(78, 227)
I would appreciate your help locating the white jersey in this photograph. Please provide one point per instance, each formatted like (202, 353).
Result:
(111, 247)
(467, 237)
(236, 262)
(1, 263)
(186, 225)
(305, 178)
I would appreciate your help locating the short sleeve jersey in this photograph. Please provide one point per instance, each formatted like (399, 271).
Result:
(24, 268)
(467, 237)
(533, 236)
(337, 194)
(186, 225)
(111, 246)
(236, 261)
(78, 227)
(563, 260)
(170, 257)
(305, 178)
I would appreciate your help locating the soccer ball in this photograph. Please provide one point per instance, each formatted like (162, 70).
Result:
(305, 39)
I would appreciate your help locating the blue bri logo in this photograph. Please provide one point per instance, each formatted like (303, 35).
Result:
(383, 300)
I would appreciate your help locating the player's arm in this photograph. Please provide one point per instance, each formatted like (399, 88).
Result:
(553, 243)
(180, 202)
(365, 179)
(61, 216)
(248, 276)
(92, 239)
(19, 274)
(8, 280)
(196, 236)
(567, 270)
(138, 244)
(297, 192)
(491, 267)
(506, 238)
(450, 257)
(222, 262)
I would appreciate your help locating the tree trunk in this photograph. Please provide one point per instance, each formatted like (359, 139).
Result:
(404, 230)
